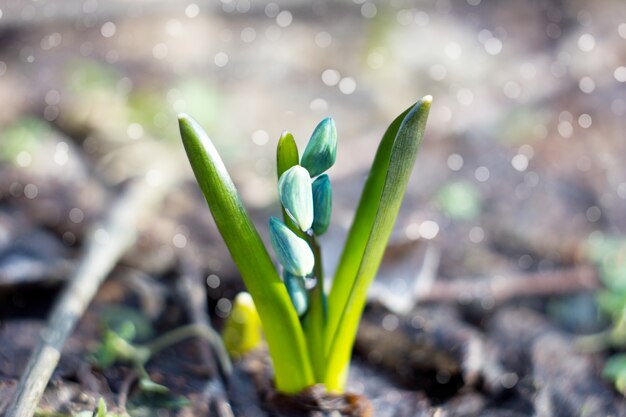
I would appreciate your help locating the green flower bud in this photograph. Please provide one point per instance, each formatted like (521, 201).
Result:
(293, 253)
(242, 331)
(322, 204)
(294, 189)
(297, 293)
(321, 151)
(286, 153)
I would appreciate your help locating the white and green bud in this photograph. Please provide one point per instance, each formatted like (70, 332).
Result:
(293, 253)
(322, 204)
(297, 292)
(321, 151)
(296, 196)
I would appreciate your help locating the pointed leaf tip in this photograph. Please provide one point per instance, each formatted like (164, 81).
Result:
(294, 189)
(190, 129)
(188, 123)
(293, 253)
(321, 151)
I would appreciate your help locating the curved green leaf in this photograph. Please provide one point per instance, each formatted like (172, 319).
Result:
(368, 236)
(280, 321)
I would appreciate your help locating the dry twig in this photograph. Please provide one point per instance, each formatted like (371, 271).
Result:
(193, 293)
(503, 288)
(106, 243)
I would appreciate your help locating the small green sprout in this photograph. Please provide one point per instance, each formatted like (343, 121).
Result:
(310, 333)
(242, 330)
(120, 344)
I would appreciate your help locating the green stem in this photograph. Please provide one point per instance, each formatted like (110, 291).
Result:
(314, 322)
(125, 351)
(185, 332)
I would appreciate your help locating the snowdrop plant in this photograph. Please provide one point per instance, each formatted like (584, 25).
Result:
(310, 333)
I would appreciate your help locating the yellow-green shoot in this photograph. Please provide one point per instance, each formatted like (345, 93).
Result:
(310, 334)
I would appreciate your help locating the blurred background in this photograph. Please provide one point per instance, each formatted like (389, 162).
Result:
(521, 171)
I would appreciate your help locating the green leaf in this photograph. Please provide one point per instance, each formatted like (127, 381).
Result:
(149, 386)
(297, 292)
(106, 354)
(293, 253)
(282, 327)
(322, 204)
(129, 323)
(296, 196)
(114, 348)
(321, 151)
(368, 236)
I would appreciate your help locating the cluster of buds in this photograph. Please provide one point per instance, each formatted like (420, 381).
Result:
(310, 334)
(306, 198)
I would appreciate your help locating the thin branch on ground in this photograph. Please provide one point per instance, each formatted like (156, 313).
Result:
(499, 289)
(192, 290)
(127, 382)
(106, 244)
